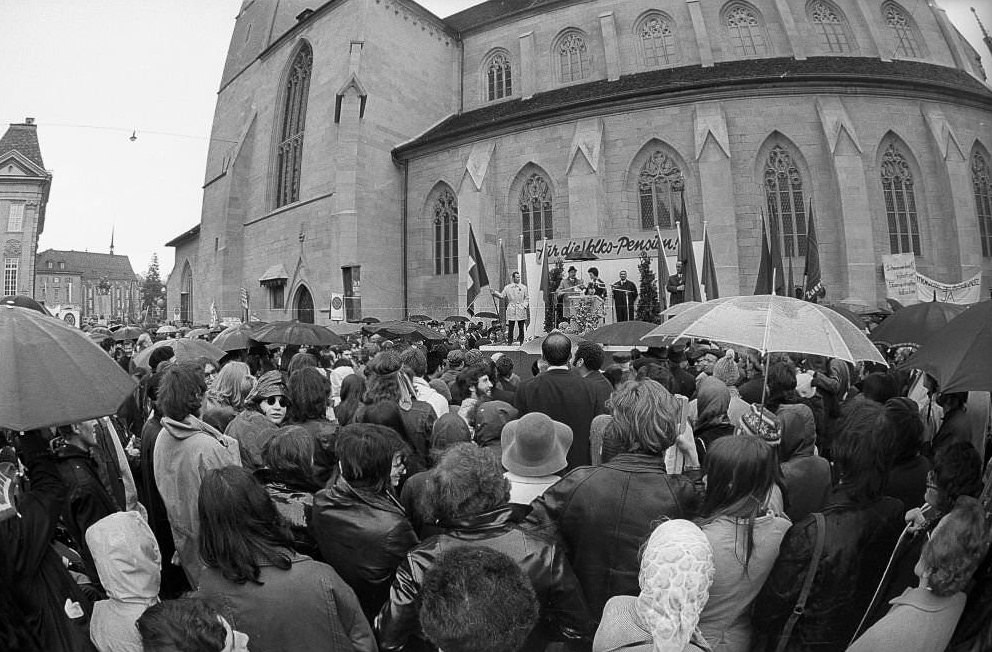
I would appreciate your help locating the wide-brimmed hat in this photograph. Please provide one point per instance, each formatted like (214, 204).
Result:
(535, 445)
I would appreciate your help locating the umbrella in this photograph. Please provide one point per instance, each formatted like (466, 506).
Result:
(403, 329)
(185, 350)
(369, 320)
(298, 333)
(458, 319)
(24, 302)
(197, 333)
(859, 306)
(166, 330)
(54, 373)
(848, 314)
(915, 323)
(622, 333)
(958, 355)
(419, 318)
(894, 305)
(101, 330)
(127, 333)
(100, 337)
(234, 338)
(534, 346)
(485, 314)
(679, 308)
(346, 328)
(771, 323)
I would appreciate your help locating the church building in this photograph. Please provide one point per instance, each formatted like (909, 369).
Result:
(355, 142)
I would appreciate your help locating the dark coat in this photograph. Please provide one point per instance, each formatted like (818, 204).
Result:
(602, 389)
(418, 422)
(364, 536)
(564, 397)
(293, 497)
(605, 513)
(324, 435)
(40, 583)
(174, 580)
(563, 611)
(859, 540)
(908, 481)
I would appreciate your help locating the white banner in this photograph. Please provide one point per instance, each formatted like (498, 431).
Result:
(337, 307)
(900, 277)
(965, 292)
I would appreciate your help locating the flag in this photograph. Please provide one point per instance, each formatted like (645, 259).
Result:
(477, 277)
(779, 268)
(813, 283)
(709, 268)
(523, 274)
(504, 279)
(790, 290)
(688, 258)
(662, 272)
(545, 286)
(763, 284)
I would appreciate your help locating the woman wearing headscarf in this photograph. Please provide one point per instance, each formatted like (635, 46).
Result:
(712, 422)
(805, 475)
(677, 569)
(265, 410)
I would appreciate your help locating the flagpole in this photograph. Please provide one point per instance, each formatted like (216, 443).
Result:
(704, 288)
(662, 290)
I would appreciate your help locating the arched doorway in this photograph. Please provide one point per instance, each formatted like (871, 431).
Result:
(303, 305)
(186, 295)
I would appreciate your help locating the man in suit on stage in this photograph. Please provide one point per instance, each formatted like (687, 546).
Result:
(676, 285)
(624, 296)
(562, 395)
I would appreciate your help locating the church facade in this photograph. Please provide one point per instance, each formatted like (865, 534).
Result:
(354, 143)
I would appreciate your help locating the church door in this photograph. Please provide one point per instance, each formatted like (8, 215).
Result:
(303, 305)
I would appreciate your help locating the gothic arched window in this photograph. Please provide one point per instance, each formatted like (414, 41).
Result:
(907, 45)
(786, 204)
(572, 56)
(900, 203)
(499, 77)
(186, 294)
(747, 34)
(981, 179)
(535, 211)
(660, 187)
(290, 153)
(657, 39)
(444, 213)
(831, 26)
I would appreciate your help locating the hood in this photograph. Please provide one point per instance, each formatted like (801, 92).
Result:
(188, 427)
(798, 428)
(127, 557)
(712, 401)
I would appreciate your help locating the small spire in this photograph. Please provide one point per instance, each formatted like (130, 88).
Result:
(985, 34)
(111, 240)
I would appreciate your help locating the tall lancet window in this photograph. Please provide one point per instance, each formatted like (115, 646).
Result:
(294, 117)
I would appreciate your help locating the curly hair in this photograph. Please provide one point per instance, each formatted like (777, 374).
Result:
(309, 391)
(181, 391)
(186, 624)
(232, 385)
(467, 379)
(644, 416)
(957, 471)
(956, 547)
(467, 480)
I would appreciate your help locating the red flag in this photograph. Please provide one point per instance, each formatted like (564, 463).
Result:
(662, 272)
(709, 268)
(688, 258)
(477, 277)
(545, 286)
(763, 284)
(814, 282)
(504, 279)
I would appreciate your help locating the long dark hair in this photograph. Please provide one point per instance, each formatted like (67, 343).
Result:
(740, 473)
(240, 528)
(352, 390)
(308, 394)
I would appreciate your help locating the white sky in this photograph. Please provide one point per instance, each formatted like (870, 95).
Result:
(92, 71)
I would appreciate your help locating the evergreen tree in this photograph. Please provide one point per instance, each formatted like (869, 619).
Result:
(648, 306)
(551, 316)
(151, 287)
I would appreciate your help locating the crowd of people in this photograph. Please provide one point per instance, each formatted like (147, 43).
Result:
(394, 496)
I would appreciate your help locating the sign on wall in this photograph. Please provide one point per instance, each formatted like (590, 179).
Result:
(900, 277)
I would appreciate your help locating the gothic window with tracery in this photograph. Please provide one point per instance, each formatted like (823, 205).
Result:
(900, 203)
(786, 204)
(981, 179)
(573, 57)
(444, 212)
(831, 26)
(747, 34)
(660, 187)
(903, 31)
(290, 153)
(536, 211)
(499, 77)
(657, 38)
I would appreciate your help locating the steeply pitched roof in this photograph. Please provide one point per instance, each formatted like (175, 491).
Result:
(183, 237)
(23, 138)
(689, 81)
(487, 12)
(90, 265)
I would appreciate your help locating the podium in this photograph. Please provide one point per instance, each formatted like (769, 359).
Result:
(585, 311)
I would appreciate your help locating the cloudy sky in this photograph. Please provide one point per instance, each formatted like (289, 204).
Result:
(92, 72)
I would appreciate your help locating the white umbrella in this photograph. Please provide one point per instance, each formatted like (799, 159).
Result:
(771, 323)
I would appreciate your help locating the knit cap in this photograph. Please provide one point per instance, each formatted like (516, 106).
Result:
(725, 369)
(761, 422)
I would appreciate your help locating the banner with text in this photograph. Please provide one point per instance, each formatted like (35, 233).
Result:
(900, 277)
(965, 292)
(614, 247)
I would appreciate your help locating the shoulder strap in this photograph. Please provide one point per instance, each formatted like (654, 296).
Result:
(814, 563)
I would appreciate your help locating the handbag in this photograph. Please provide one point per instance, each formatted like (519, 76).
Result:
(814, 563)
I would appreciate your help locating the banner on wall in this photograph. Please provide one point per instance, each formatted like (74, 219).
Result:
(615, 247)
(900, 277)
(965, 292)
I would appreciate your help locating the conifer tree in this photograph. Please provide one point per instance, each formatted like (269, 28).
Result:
(648, 306)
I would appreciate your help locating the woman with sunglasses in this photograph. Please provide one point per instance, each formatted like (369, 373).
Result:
(266, 406)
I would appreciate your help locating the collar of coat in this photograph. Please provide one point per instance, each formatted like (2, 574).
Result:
(493, 519)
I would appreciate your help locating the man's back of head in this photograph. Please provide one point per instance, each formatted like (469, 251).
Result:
(556, 349)
(591, 355)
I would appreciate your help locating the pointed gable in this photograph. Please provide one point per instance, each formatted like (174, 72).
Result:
(23, 139)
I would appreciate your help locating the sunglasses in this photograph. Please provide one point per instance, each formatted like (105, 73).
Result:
(272, 400)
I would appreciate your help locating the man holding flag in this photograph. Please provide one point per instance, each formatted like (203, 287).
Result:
(517, 299)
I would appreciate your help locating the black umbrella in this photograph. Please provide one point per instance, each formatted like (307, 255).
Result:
(486, 315)
(915, 323)
(298, 333)
(127, 333)
(24, 302)
(234, 338)
(370, 320)
(458, 319)
(581, 255)
(958, 354)
(419, 318)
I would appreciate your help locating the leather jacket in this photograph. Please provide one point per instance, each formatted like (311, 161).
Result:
(364, 535)
(563, 609)
(605, 513)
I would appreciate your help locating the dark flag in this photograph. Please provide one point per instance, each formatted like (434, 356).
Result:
(763, 284)
(688, 258)
(662, 272)
(776, 250)
(545, 286)
(504, 278)
(814, 282)
(709, 268)
(477, 277)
